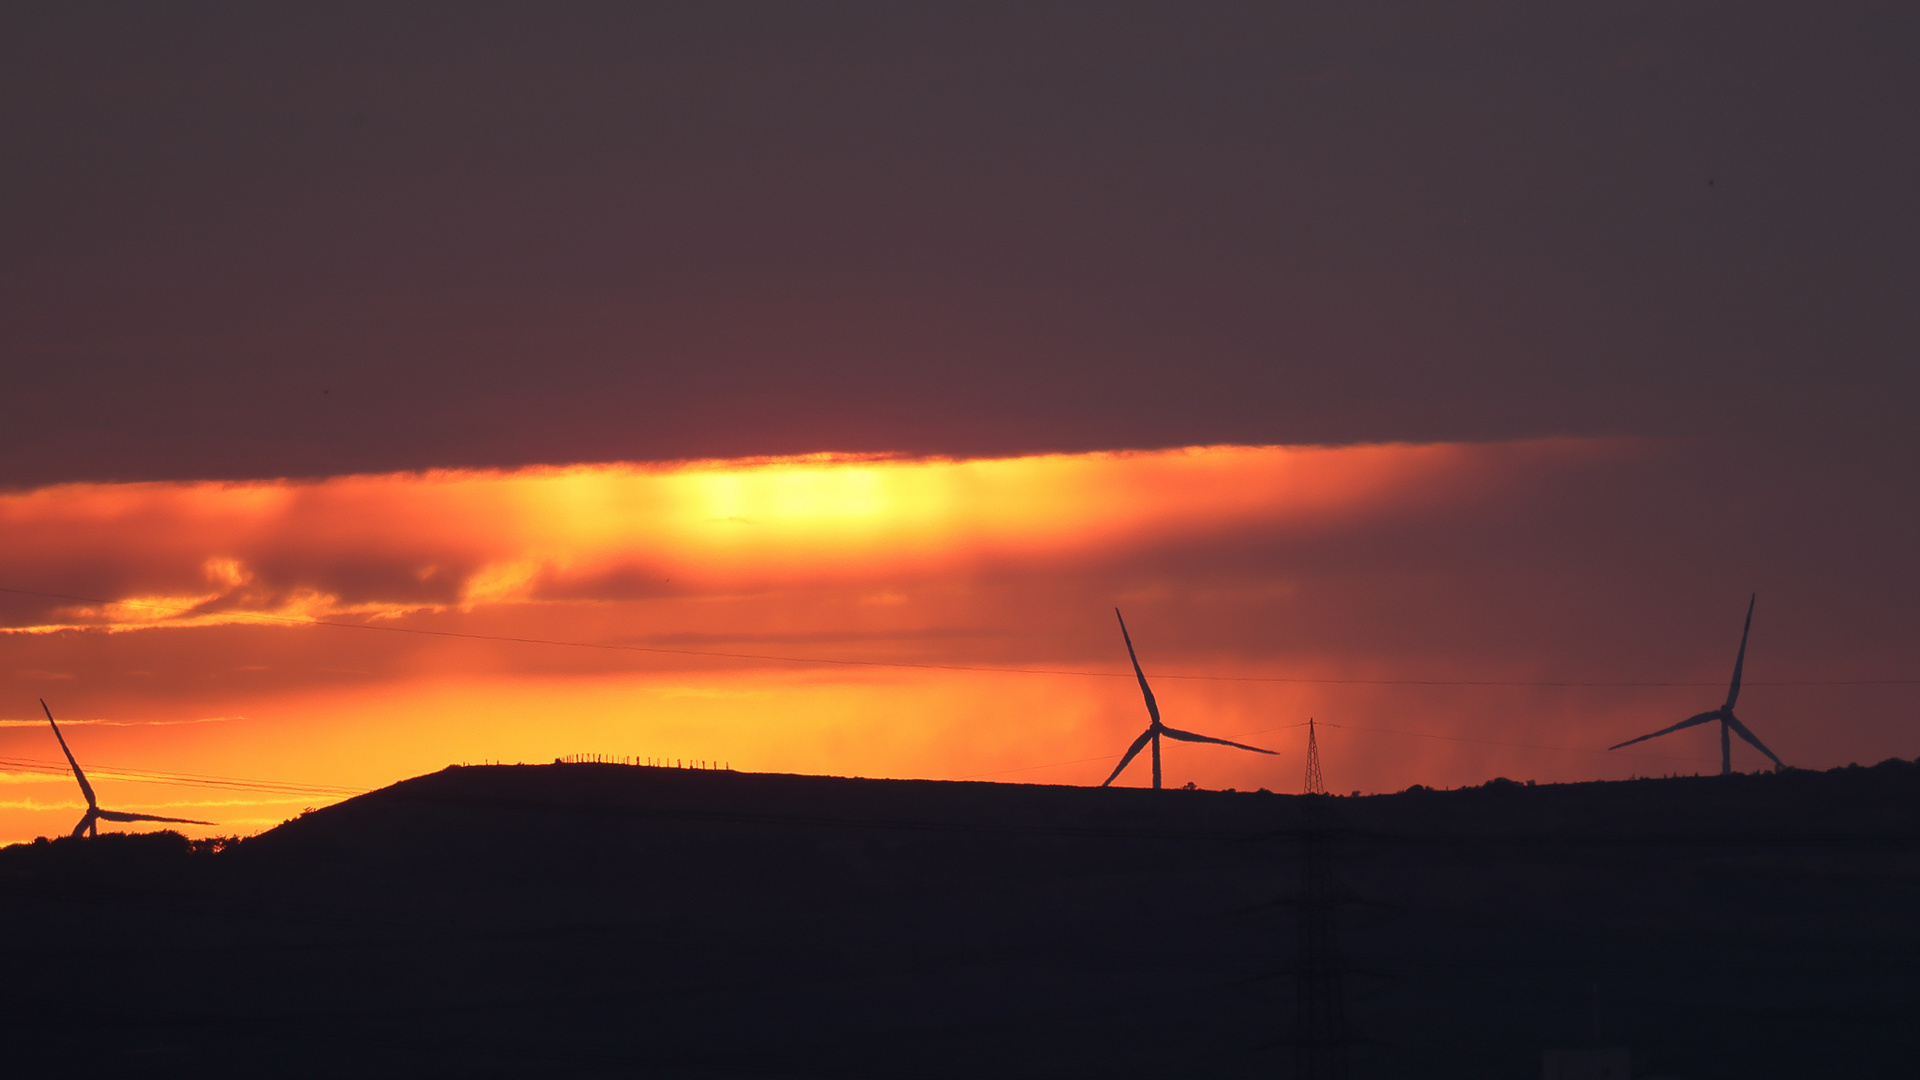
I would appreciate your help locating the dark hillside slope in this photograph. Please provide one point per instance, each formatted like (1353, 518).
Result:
(604, 919)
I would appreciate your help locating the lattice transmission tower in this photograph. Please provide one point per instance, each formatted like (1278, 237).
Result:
(1316, 784)
(1322, 1038)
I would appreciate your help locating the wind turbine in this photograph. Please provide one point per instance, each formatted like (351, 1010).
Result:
(94, 813)
(1155, 729)
(1724, 713)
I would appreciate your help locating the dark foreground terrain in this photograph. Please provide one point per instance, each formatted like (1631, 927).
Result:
(577, 920)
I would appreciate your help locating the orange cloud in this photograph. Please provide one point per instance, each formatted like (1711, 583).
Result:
(912, 582)
(198, 554)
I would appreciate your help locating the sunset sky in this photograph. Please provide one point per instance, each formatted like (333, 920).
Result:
(802, 387)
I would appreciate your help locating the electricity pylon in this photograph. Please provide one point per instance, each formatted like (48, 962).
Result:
(1321, 1038)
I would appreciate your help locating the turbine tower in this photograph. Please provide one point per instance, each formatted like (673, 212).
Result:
(94, 813)
(1724, 714)
(1155, 728)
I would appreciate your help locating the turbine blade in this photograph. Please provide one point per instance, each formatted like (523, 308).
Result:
(1153, 708)
(86, 822)
(1733, 690)
(125, 815)
(1740, 729)
(1132, 752)
(1188, 736)
(1687, 723)
(85, 788)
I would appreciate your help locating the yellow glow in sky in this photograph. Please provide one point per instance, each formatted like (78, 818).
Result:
(910, 582)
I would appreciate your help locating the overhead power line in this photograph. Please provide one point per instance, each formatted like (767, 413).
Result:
(1357, 727)
(285, 620)
(144, 776)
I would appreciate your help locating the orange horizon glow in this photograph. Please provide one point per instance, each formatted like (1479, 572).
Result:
(914, 585)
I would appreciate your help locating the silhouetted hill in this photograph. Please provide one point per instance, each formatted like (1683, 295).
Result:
(606, 919)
